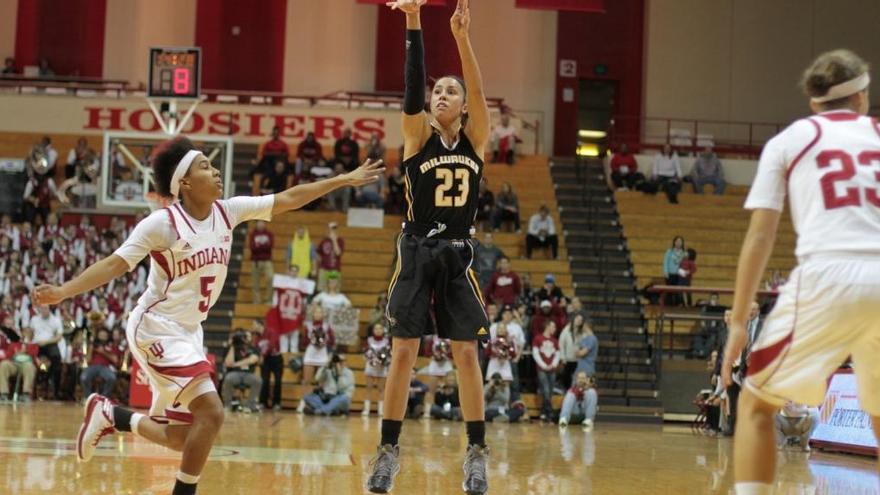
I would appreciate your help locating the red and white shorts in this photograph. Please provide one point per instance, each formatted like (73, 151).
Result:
(174, 360)
(828, 311)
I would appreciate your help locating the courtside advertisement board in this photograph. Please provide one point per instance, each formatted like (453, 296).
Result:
(843, 425)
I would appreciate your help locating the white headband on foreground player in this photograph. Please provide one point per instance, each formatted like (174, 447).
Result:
(844, 89)
(181, 170)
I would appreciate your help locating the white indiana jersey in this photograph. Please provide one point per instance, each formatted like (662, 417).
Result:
(188, 257)
(830, 166)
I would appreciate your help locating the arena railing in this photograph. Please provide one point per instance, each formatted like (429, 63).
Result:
(69, 85)
(662, 315)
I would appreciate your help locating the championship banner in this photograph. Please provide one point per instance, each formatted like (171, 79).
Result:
(344, 322)
(843, 425)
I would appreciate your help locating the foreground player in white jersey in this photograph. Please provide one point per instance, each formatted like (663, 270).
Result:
(189, 244)
(829, 164)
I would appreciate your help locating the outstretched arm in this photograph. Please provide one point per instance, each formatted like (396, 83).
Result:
(477, 128)
(101, 273)
(301, 195)
(414, 121)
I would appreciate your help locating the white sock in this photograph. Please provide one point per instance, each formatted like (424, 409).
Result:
(367, 405)
(753, 488)
(135, 421)
(187, 478)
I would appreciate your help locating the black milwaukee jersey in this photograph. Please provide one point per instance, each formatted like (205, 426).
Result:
(442, 187)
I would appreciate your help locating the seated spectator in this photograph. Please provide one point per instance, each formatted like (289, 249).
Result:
(261, 241)
(671, 265)
(795, 423)
(446, 403)
(708, 170)
(497, 396)
(241, 362)
(375, 148)
(277, 180)
(371, 195)
(347, 151)
(104, 359)
(272, 365)
(686, 270)
(542, 233)
(45, 69)
(275, 148)
(486, 256)
(547, 311)
(309, 150)
(485, 204)
(625, 173)
(667, 173)
(580, 402)
(340, 199)
(378, 358)
(416, 400)
(587, 352)
(503, 141)
(502, 351)
(78, 154)
(319, 341)
(335, 389)
(18, 357)
(301, 253)
(504, 287)
(506, 208)
(550, 291)
(396, 202)
(545, 352)
(332, 299)
(9, 67)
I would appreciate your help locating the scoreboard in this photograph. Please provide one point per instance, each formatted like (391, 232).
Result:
(175, 73)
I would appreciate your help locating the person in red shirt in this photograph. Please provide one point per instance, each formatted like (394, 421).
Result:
(103, 358)
(624, 169)
(547, 311)
(545, 352)
(261, 242)
(18, 357)
(686, 270)
(505, 286)
(275, 147)
(310, 150)
(330, 256)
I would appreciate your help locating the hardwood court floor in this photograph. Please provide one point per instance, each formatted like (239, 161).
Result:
(287, 454)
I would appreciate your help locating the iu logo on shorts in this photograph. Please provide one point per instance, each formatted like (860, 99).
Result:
(157, 350)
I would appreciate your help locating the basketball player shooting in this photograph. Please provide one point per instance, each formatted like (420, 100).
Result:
(189, 245)
(830, 308)
(442, 165)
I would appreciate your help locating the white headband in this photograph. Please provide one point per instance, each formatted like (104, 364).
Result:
(182, 169)
(844, 89)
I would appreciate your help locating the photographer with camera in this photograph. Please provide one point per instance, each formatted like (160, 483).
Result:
(104, 358)
(446, 403)
(580, 402)
(335, 389)
(319, 341)
(241, 361)
(497, 394)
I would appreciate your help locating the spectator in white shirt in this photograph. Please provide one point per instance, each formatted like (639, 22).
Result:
(667, 173)
(332, 299)
(47, 332)
(503, 140)
(542, 233)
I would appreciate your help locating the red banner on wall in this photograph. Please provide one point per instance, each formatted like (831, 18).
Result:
(577, 5)
(382, 2)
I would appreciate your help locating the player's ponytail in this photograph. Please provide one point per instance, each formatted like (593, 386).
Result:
(165, 159)
(832, 69)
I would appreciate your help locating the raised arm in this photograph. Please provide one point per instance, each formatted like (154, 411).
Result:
(97, 275)
(477, 128)
(415, 122)
(303, 194)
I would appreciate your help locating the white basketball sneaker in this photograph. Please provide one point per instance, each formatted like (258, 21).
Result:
(97, 424)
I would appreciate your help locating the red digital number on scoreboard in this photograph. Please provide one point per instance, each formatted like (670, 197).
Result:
(181, 81)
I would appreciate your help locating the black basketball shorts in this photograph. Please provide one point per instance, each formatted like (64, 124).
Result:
(436, 273)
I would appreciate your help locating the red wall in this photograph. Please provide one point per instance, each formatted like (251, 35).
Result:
(441, 53)
(70, 33)
(615, 39)
(257, 51)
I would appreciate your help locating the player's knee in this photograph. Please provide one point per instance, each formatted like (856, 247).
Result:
(465, 355)
(211, 417)
(757, 410)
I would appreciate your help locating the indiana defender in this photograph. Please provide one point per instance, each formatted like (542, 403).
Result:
(189, 244)
(829, 166)
(442, 165)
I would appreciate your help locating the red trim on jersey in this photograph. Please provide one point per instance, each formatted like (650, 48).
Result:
(189, 371)
(840, 116)
(178, 416)
(183, 215)
(173, 222)
(761, 358)
(804, 151)
(223, 213)
(162, 262)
